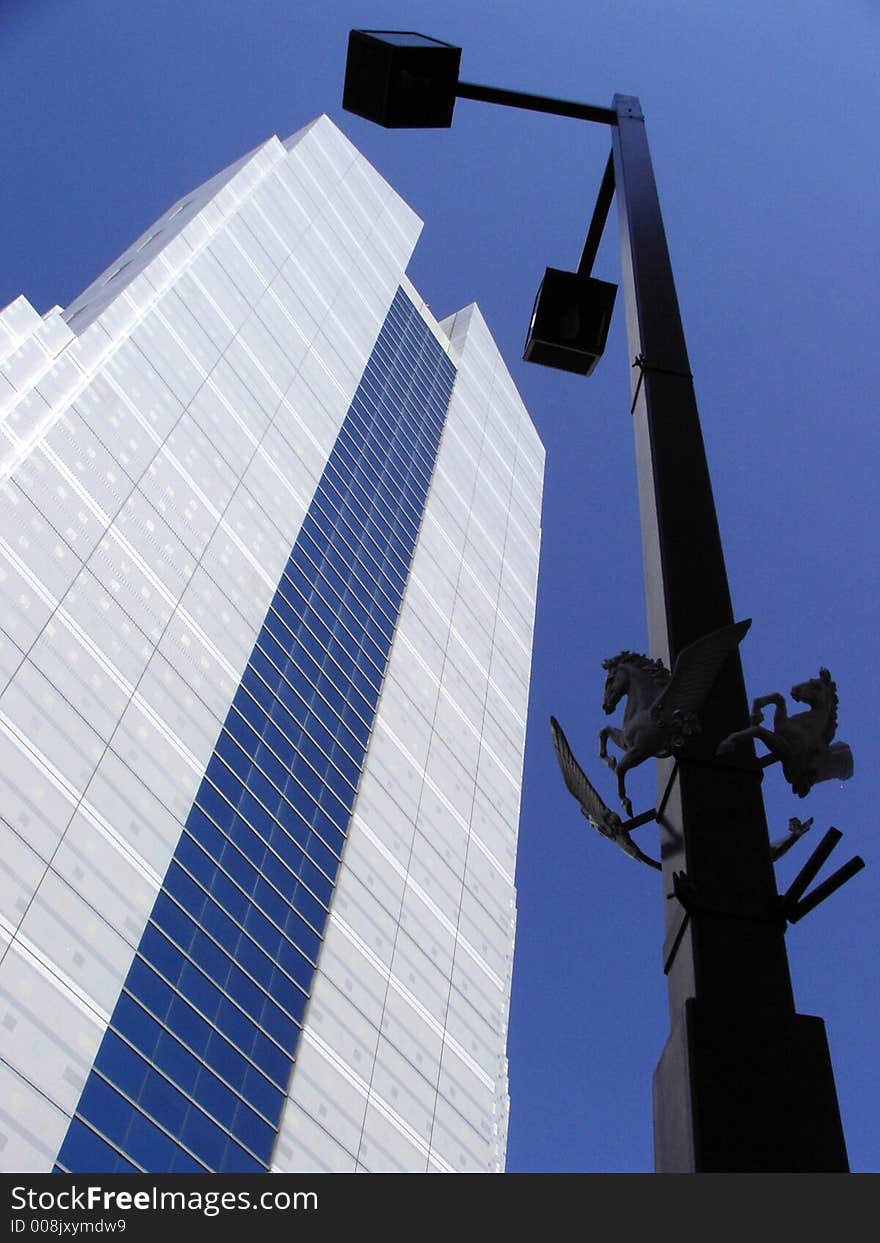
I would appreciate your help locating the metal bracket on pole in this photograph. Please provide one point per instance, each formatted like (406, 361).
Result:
(600, 215)
(635, 822)
(721, 902)
(535, 103)
(789, 908)
(643, 365)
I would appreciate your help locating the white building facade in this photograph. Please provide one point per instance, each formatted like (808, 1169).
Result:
(269, 542)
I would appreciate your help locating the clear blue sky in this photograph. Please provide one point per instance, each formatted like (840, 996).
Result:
(762, 120)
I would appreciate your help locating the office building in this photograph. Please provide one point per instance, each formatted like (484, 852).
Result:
(269, 543)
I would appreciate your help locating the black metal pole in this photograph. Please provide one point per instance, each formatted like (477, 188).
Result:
(744, 1083)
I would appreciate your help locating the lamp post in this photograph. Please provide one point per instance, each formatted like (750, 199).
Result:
(744, 1082)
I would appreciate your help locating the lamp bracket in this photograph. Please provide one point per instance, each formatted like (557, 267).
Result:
(643, 365)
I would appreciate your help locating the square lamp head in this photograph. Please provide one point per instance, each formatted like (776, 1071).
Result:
(401, 79)
(570, 321)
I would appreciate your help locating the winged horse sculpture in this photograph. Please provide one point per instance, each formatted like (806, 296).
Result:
(662, 709)
(803, 741)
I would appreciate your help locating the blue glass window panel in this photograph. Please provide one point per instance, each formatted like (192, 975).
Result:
(233, 1113)
(298, 694)
(330, 824)
(299, 932)
(273, 769)
(276, 864)
(188, 1024)
(295, 965)
(158, 1044)
(251, 958)
(245, 991)
(254, 813)
(325, 859)
(215, 805)
(286, 992)
(243, 732)
(153, 1150)
(163, 1102)
(206, 997)
(236, 759)
(183, 1163)
(149, 988)
(262, 789)
(281, 732)
(204, 1038)
(190, 898)
(203, 830)
(242, 1075)
(109, 1112)
(306, 779)
(236, 1161)
(261, 663)
(270, 902)
(121, 1065)
(262, 1091)
(316, 881)
(247, 703)
(224, 780)
(278, 1023)
(362, 698)
(309, 907)
(87, 1153)
(169, 1107)
(352, 724)
(161, 953)
(256, 1044)
(334, 804)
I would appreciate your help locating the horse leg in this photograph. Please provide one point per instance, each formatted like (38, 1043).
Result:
(770, 741)
(616, 736)
(779, 717)
(627, 762)
(730, 742)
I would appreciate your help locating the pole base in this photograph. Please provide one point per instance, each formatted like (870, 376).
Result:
(746, 1093)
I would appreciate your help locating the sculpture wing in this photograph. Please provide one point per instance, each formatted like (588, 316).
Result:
(592, 804)
(694, 672)
(796, 829)
(628, 846)
(577, 783)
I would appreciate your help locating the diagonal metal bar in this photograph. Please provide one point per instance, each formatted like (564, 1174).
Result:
(600, 215)
(825, 890)
(636, 822)
(799, 885)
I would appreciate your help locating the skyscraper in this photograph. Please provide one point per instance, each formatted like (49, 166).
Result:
(269, 543)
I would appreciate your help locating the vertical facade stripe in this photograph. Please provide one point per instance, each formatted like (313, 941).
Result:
(193, 1070)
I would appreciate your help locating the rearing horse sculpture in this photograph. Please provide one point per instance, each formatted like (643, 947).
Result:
(662, 709)
(803, 741)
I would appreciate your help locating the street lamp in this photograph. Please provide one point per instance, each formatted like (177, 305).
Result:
(744, 1082)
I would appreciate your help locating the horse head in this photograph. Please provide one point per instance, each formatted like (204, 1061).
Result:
(630, 672)
(818, 692)
(616, 683)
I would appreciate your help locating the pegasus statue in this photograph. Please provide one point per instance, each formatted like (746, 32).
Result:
(803, 742)
(662, 708)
